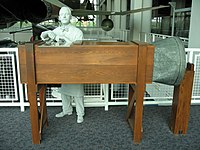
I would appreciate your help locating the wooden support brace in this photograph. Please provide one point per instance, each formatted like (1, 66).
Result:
(43, 109)
(131, 101)
(181, 102)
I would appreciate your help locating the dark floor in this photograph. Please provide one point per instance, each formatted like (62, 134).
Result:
(104, 130)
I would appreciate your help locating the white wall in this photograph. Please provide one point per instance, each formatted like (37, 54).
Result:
(194, 33)
(140, 22)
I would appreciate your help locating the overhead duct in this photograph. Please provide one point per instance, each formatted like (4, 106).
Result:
(26, 10)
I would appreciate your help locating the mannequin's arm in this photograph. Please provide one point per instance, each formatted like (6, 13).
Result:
(47, 35)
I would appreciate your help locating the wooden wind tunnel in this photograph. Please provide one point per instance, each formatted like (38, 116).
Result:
(97, 62)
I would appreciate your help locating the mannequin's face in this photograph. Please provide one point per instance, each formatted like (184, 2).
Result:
(64, 16)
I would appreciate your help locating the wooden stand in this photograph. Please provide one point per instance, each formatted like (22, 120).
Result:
(97, 62)
(181, 102)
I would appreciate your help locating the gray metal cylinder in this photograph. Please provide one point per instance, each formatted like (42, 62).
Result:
(169, 61)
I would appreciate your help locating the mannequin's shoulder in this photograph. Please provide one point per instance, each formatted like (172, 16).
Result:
(57, 28)
(75, 29)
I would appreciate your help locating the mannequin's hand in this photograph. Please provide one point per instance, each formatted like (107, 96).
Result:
(47, 35)
(63, 40)
(44, 35)
(52, 35)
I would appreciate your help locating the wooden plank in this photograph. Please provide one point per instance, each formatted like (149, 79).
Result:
(85, 74)
(87, 55)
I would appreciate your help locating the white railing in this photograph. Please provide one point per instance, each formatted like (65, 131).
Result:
(155, 93)
(152, 37)
(96, 33)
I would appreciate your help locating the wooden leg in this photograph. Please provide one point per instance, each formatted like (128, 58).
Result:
(32, 92)
(135, 111)
(32, 97)
(181, 102)
(138, 114)
(136, 96)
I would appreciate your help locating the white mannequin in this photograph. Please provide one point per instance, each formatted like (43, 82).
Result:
(65, 35)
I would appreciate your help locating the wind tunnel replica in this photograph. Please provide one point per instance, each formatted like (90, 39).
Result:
(133, 63)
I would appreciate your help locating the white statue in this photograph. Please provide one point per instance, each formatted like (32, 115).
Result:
(66, 34)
